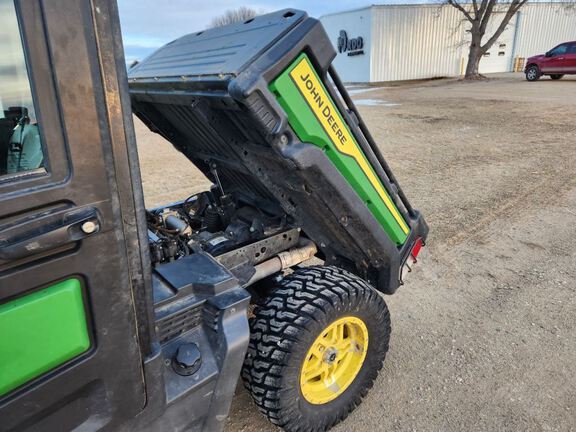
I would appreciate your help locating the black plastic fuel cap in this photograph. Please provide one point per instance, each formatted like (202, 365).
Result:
(187, 359)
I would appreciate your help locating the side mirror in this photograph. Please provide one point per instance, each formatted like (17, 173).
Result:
(548, 54)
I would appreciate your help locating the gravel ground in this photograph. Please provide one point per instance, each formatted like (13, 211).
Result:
(484, 332)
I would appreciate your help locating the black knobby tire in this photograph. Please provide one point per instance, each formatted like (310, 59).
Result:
(533, 73)
(556, 76)
(284, 327)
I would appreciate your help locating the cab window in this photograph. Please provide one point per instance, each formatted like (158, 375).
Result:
(559, 50)
(20, 142)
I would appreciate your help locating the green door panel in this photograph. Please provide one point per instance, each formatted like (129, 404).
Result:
(316, 120)
(41, 331)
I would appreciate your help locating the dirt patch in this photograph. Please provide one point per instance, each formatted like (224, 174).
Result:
(167, 176)
(483, 332)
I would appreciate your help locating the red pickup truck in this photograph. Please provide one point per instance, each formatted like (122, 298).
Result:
(556, 63)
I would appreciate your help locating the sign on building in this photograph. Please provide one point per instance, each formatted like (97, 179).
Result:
(351, 47)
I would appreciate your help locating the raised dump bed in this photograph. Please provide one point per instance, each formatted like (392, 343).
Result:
(257, 107)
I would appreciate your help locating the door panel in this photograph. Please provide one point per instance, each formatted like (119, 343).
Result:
(53, 322)
(63, 242)
(552, 65)
(555, 63)
(570, 62)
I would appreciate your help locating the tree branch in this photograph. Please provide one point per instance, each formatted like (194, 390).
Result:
(475, 6)
(461, 9)
(514, 7)
(485, 19)
(482, 9)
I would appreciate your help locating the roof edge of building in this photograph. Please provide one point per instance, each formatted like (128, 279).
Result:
(420, 4)
(370, 6)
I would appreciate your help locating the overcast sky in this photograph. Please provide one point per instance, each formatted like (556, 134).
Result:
(149, 24)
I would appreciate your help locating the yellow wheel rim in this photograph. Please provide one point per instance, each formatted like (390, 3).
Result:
(334, 360)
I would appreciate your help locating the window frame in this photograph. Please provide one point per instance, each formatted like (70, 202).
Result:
(56, 168)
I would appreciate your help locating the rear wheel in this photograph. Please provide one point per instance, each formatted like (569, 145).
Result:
(556, 76)
(316, 346)
(533, 73)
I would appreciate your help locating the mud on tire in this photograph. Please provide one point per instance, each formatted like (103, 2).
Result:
(284, 327)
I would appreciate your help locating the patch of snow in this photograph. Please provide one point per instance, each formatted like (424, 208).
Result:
(375, 102)
(359, 90)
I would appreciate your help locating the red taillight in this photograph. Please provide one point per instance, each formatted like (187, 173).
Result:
(411, 259)
(416, 248)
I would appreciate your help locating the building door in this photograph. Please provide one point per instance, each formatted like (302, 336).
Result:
(499, 57)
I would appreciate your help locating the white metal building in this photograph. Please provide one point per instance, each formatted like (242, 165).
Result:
(404, 42)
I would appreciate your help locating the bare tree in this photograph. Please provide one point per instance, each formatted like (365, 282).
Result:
(241, 14)
(479, 13)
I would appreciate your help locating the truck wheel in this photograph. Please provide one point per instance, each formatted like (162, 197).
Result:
(556, 76)
(317, 344)
(533, 73)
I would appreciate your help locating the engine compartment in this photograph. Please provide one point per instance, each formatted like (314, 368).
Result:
(209, 222)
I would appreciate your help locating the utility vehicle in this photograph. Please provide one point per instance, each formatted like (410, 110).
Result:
(120, 318)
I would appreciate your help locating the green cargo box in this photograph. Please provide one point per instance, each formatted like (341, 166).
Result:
(315, 119)
(267, 112)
